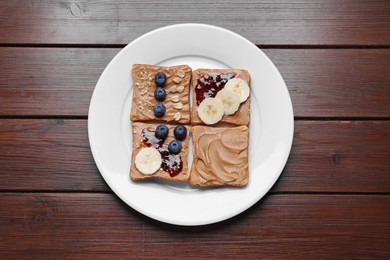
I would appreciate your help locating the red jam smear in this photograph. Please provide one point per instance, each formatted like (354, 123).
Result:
(209, 85)
(171, 163)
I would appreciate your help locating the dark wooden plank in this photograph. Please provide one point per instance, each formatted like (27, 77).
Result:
(263, 22)
(46, 81)
(340, 83)
(79, 225)
(327, 156)
(67, 226)
(326, 83)
(349, 156)
(47, 155)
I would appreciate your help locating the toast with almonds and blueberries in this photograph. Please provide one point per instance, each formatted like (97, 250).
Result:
(161, 94)
(162, 117)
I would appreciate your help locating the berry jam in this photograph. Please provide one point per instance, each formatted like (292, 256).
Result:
(209, 85)
(171, 163)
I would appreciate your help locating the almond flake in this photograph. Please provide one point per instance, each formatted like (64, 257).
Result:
(177, 116)
(176, 80)
(178, 106)
(173, 89)
(181, 73)
(180, 89)
(175, 99)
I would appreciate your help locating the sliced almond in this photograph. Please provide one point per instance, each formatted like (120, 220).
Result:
(173, 89)
(177, 116)
(175, 99)
(180, 89)
(178, 105)
(176, 80)
(181, 73)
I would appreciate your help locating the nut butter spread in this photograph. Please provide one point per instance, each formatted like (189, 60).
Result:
(220, 156)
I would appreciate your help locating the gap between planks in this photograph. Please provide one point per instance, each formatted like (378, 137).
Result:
(269, 193)
(116, 45)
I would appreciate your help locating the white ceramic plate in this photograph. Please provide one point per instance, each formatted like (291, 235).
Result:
(198, 45)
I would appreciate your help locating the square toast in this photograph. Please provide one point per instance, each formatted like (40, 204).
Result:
(173, 167)
(177, 87)
(220, 156)
(241, 116)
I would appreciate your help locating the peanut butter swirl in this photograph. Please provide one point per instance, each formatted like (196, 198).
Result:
(220, 156)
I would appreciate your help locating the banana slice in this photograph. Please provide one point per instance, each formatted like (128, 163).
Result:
(240, 86)
(230, 100)
(210, 111)
(148, 160)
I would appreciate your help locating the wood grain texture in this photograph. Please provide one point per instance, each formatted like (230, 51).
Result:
(336, 83)
(46, 81)
(332, 201)
(348, 156)
(327, 156)
(263, 22)
(81, 225)
(322, 83)
(47, 155)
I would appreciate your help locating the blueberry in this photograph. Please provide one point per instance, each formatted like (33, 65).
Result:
(180, 132)
(159, 110)
(174, 147)
(161, 132)
(160, 94)
(160, 78)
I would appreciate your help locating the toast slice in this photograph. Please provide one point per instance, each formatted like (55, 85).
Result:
(177, 87)
(173, 167)
(220, 156)
(220, 77)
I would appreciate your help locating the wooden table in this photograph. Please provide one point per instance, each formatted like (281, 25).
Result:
(332, 199)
